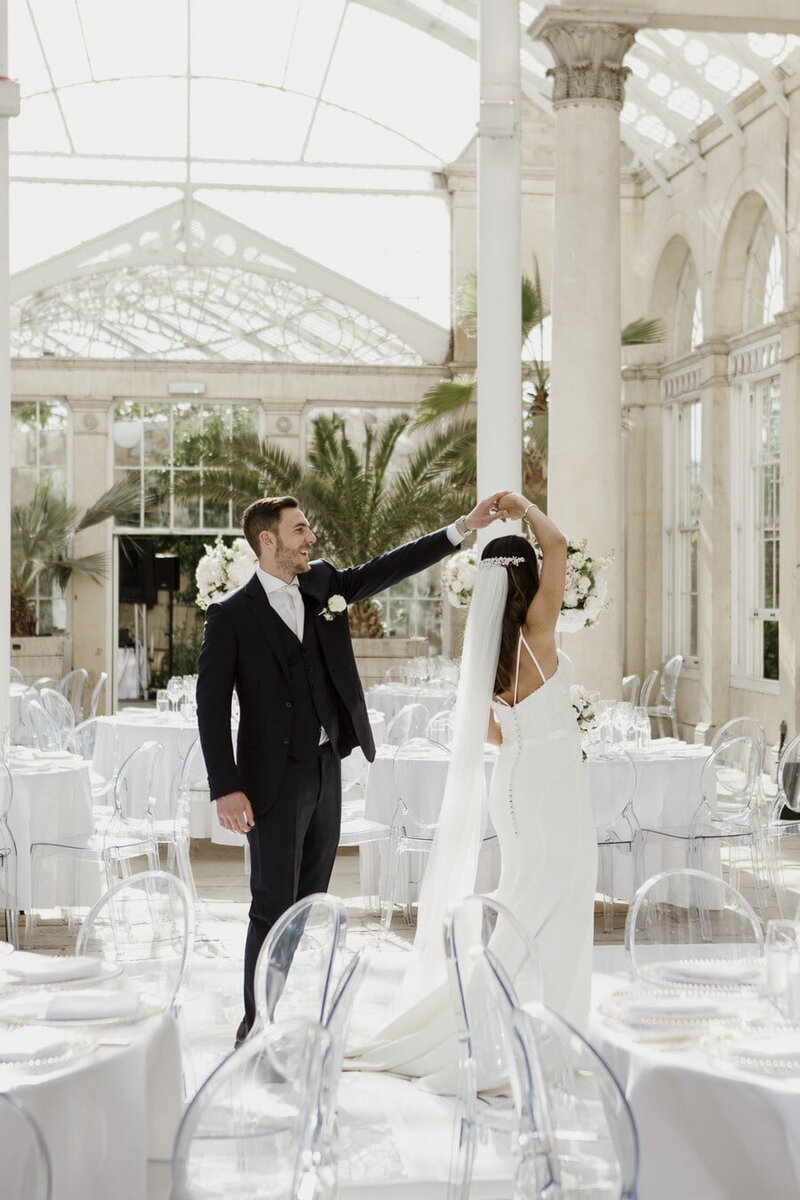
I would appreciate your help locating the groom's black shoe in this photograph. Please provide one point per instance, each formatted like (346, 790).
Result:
(241, 1034)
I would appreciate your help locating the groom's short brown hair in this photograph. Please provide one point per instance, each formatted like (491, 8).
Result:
(264, 514)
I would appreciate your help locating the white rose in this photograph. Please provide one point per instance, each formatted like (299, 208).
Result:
(337, 604)
(583, 584)
(571, 598)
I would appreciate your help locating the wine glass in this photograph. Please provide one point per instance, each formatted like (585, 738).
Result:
(603, 723)
(641, 728)
(623, 719)
(175, 691)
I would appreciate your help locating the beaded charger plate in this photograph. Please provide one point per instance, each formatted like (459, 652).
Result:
(763, 1048)
(26, 1050)
(9, 985)
(37, 1009)
(714, 975)
(666, 1010)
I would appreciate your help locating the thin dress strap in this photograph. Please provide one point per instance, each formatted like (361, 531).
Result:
(522, 642)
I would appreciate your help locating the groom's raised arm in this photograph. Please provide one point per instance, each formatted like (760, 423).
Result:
(359, 583)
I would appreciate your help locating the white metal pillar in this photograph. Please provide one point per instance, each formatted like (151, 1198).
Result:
(585, 471)
(9, 107)
(499, 270)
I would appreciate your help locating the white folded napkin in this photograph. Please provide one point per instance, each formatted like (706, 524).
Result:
(21, 1045)
(6, 948)
(685, 1007)
(87, 1006)
(44, 968)
(718, 970)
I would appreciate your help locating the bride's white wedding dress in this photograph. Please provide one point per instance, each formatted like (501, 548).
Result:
(543, 820)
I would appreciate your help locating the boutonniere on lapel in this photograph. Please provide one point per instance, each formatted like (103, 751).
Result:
(335, 606)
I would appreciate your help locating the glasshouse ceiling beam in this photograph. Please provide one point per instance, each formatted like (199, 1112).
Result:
(427, 339)
(318, 189)
(673, 66)
(739, 51)
(721, 16)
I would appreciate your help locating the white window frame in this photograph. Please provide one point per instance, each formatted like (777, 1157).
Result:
(748, 611)
(678, 526)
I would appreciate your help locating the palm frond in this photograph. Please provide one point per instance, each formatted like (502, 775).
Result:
(443, 399)
(534, 303)
(643, 332)
(120, 502)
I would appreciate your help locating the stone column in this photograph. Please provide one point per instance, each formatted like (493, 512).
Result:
(92, 620)
(642, 610)
(585, 471)
(9, 107)
(714, 537)
(789, 646)
(499, 271)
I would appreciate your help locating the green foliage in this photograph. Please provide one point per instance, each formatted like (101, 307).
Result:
(643, 332)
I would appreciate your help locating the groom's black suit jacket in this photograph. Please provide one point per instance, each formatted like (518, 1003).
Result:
(244, 646)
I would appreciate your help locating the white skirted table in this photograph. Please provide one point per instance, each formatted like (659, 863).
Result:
(52, 799)
(104, 1114)
(708, 1131)
(389, 698)
(668, 792)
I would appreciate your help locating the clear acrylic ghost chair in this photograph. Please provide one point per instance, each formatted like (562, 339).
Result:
(355, 828)
(784, 822)
(301, 961)
(630, 688)
(648, 692)
(472, 926)
(727, 817)
(249, 1133)
(83, 741)
(409, 722)
(740, 727)
(683, 917)
(441, 728)
(8, 859)
(45, 681)
(145, 924)
(412, 830)
(25, 1169)
(73, 686)
(576, 1135)
(174, 832)
(97, 691)
(125, 834)
(45, 733)
(395, 674)
(59, 708)
(665, 707)
(619, 832)
(15, 675)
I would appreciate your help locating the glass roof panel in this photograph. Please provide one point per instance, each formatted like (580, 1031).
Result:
(137, 116)
(342, 137)
(241, 120)
(145, 38)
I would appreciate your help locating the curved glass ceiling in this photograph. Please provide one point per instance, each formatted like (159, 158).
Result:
(321, 123)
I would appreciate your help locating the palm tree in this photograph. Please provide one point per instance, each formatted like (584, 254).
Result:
(446, 402)
(360, 500)
(42, 533)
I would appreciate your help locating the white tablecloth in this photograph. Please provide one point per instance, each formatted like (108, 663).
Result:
(105, 1115)
(389, 698)
(707, 1132)
(668, 793)
(125, 732)
(52, 799)
(16, 692)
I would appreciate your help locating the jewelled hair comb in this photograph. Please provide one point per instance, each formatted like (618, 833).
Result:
(514, 561)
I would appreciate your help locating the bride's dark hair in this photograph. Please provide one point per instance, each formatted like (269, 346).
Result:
(523, 584)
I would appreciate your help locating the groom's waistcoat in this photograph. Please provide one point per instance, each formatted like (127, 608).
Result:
(313, 700)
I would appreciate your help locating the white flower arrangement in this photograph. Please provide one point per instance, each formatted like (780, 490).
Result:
(335, 606)
(584, 709)
(222, 569)
(458, 576)
(585, 595)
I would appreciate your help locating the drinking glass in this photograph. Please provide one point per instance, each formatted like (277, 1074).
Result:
(623, 719)
(782, 956)
(641, 728)
(605, 726)
(162, 700)
(175, 691)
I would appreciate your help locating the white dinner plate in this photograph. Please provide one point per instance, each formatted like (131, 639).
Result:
(665, 1010)
(746, 972)
(41, 1049)
(766, 1049)
(59, 974)
(74, 1008)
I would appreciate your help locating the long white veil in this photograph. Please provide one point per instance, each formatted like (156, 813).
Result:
(452, 867)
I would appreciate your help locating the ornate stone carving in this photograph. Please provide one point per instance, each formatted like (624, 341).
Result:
(283, 424)
(588, 58)
(90, 421)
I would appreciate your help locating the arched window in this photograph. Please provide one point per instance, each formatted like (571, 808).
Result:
(687, 332)
(763, 289)
(697, 320)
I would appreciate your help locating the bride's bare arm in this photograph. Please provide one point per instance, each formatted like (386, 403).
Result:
(546, 604)
(494, 734)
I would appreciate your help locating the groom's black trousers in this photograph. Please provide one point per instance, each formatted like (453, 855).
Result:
(292, 850)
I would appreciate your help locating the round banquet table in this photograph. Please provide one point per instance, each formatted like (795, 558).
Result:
(389, 698)
(16, 692)
(668, 792)
(52, 799)
(105, 1114)
(707, 1131)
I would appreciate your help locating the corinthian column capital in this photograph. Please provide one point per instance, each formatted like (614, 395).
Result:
(588, 58)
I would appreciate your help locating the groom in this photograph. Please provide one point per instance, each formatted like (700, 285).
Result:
(283, 642)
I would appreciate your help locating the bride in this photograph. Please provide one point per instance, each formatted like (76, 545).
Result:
(514, 684)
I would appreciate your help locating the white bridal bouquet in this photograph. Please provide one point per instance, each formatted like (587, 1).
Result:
(584, 597)
(222, 569)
